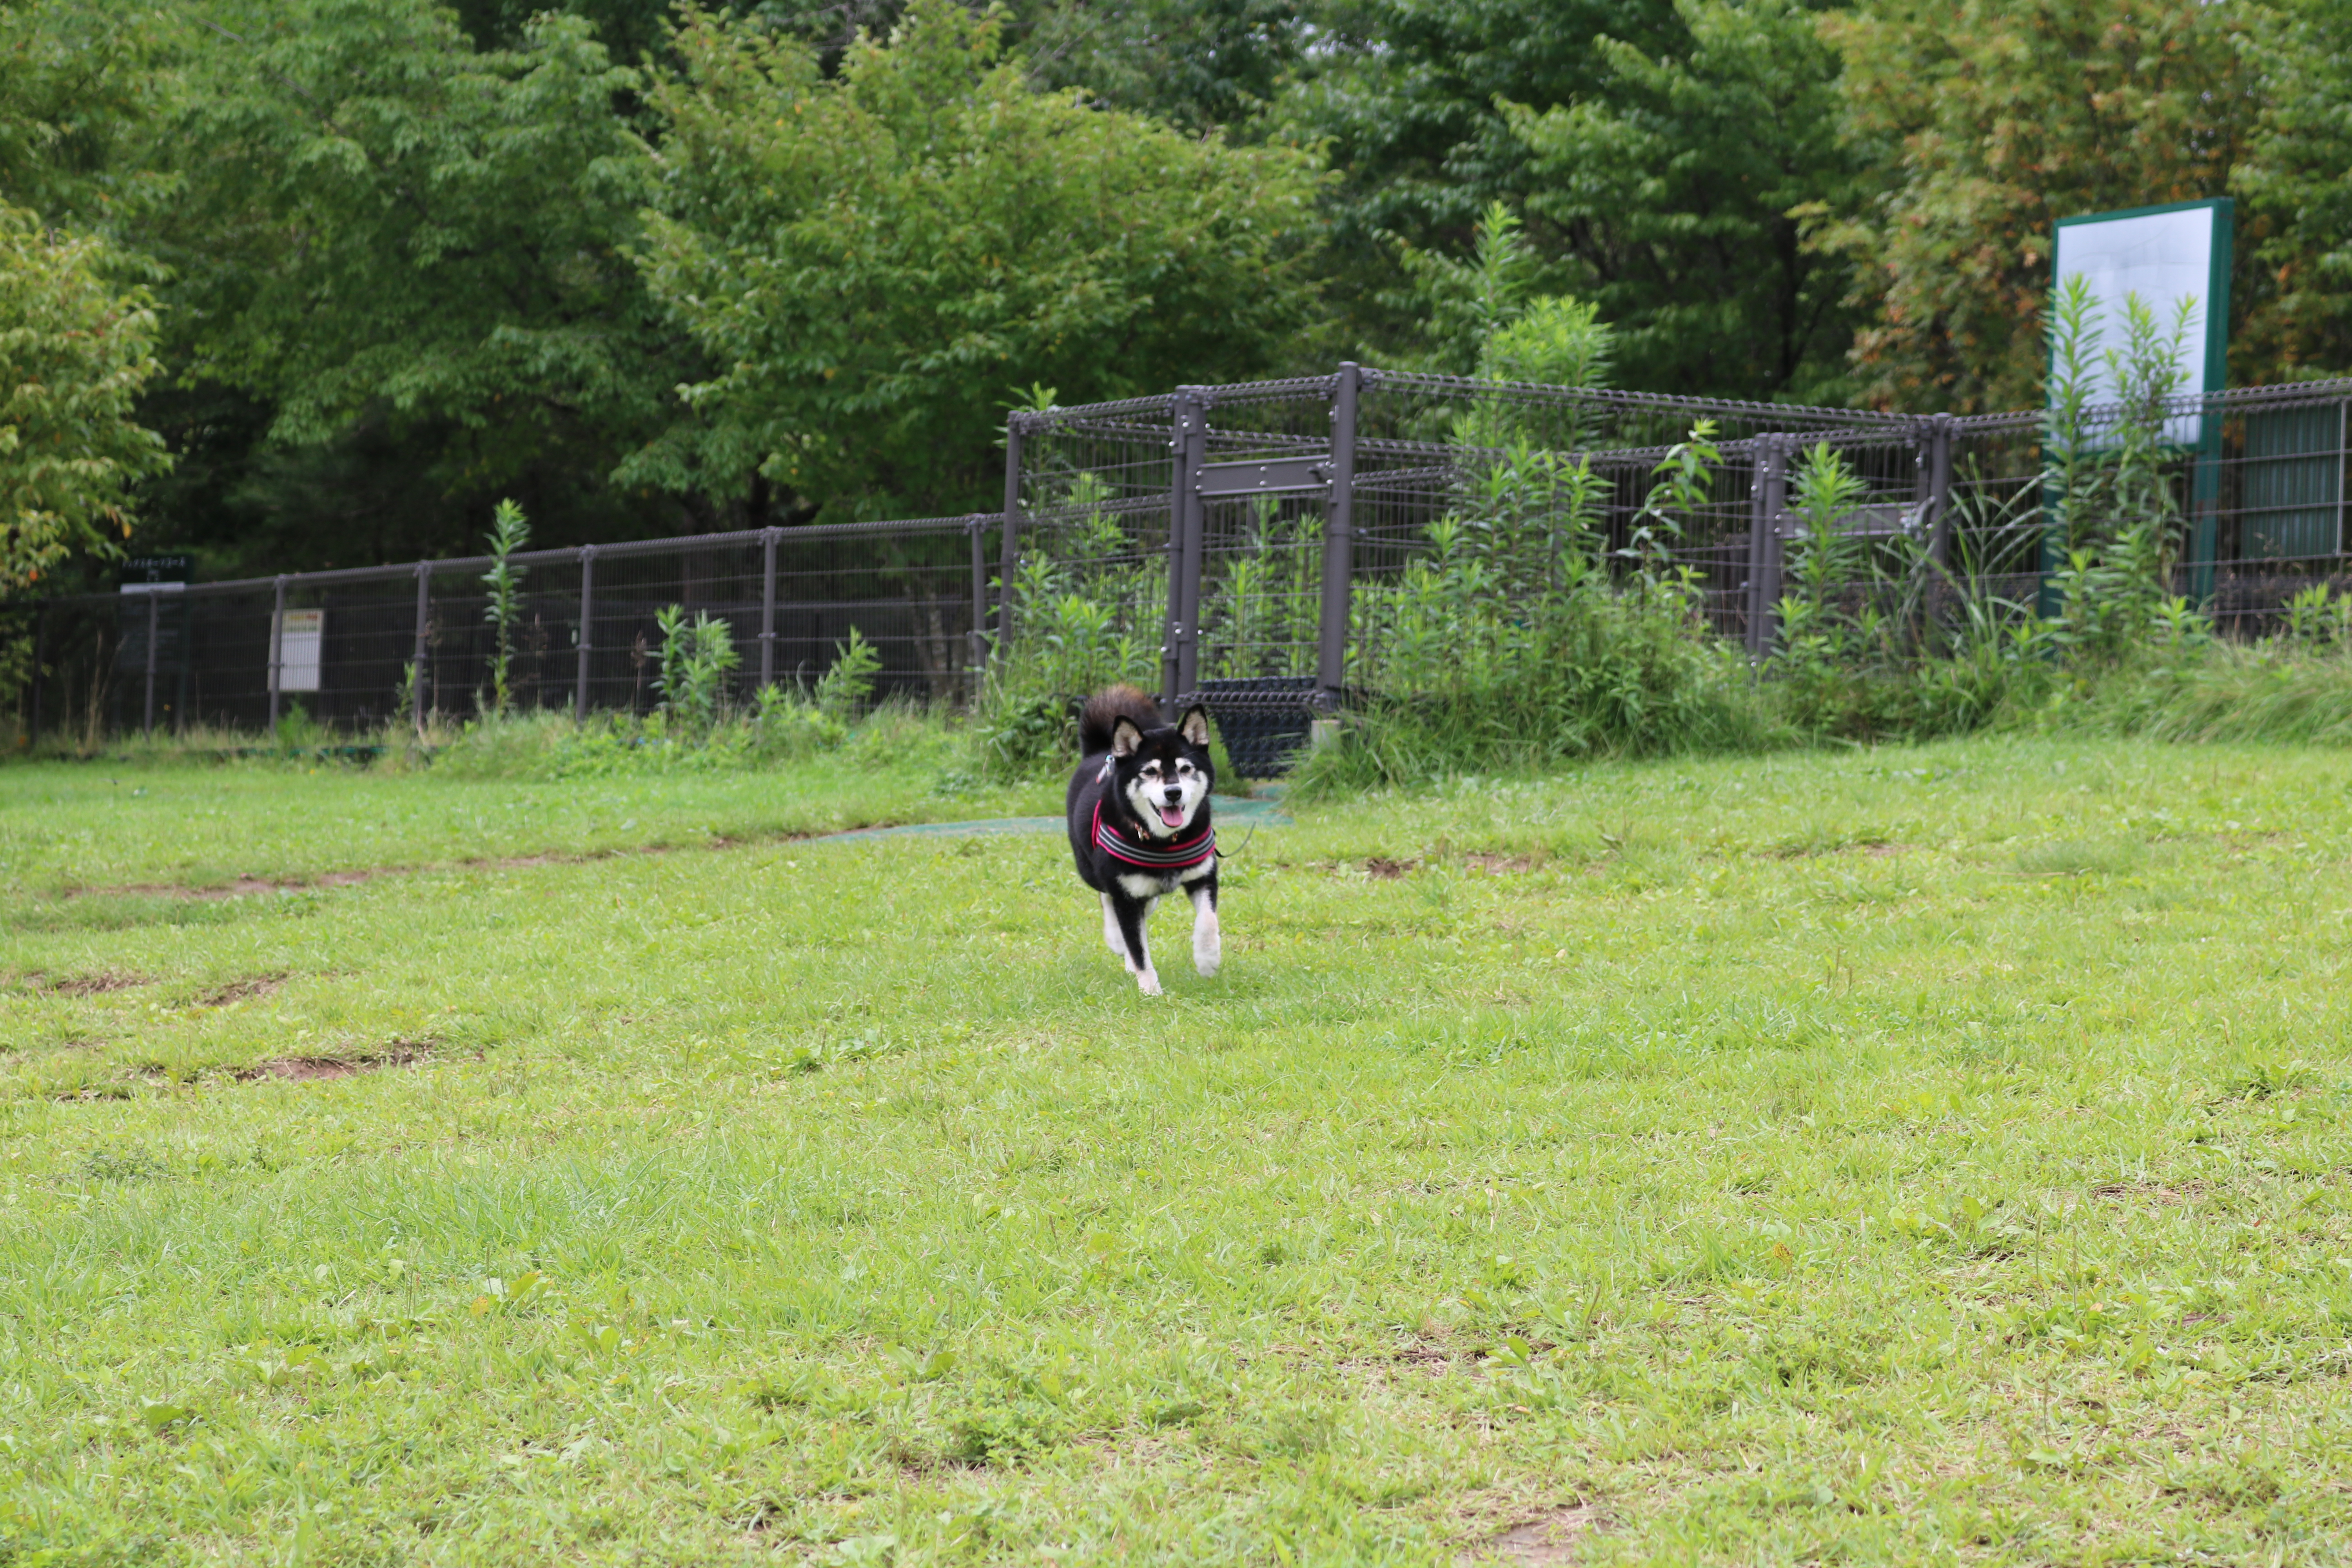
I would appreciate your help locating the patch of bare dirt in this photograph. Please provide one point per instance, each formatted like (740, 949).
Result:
(243, 990)
(265, 886)
(1502, 864)
(243, 888)
(1877, 849)
(1386, 870)
(90, 984)
(2150, 1192)
(1550, 1537)
(90, 1091)
(305, 1069)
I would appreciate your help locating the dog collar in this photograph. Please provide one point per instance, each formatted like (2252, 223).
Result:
(1181, 855)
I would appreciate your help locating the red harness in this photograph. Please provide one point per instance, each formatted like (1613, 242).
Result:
(1178, 855)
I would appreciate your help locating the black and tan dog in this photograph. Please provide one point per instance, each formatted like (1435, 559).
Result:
(1140, 826)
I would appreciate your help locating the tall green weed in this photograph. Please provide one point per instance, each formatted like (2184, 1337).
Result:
(1511, 646)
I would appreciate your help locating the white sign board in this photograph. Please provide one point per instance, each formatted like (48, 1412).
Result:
(300, 634)
(2166, 256)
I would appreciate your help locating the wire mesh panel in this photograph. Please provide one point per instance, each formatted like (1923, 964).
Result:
(576, 631)
(1086, 578)
(2252, 480)
(1262, 490)
(2274, 482)
(1431, 446)
(1995, 507)
(1199, 522)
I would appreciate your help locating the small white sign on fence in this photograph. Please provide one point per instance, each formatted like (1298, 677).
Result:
(298, 637)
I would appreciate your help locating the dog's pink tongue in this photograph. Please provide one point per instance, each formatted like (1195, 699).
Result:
(1171, 817)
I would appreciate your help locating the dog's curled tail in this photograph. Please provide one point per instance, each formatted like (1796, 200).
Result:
(1107, 707)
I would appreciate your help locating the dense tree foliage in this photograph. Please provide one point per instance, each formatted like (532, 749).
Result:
(371, 264)
(2299, 182)
(78, 82)
(1991, 120)
(1682, 187)
(75, 349)
(876, 259)
(385, 235)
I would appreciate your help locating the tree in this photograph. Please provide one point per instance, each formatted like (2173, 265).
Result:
(77, 83)
(875, 258)
(1406, 94)
(2299, 315)
(1676, 189)
(75, 349)
(1993, 119)
(1203, 66)
(397, 243)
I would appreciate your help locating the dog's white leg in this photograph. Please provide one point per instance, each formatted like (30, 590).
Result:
(1147, 979)
(1208, 942)
(1111, 938)
(1127, 930)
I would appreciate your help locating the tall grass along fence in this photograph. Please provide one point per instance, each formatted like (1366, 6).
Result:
(1286, 549)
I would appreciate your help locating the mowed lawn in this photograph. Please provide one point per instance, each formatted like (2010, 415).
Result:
(1909, 1156)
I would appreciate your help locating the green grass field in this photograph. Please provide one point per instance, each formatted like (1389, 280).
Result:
(1911, 1156)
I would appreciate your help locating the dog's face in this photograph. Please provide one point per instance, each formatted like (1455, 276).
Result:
(1164, 774)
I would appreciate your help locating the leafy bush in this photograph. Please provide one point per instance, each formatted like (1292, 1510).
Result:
(842, 691)
(696, 657)
(1876, 640)
(789, 721)
(1511, 646)
(2294, 689)
(298, 731)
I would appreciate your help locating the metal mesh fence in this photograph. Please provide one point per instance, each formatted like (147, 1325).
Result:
(1239, 541)
(362, 647)
(1217, 524)
(1218, 512)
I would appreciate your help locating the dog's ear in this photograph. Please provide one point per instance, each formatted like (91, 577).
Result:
(1195, 725)
(1124, 738)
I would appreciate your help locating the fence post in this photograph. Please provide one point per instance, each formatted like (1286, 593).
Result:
(40, 651)
(1768, 497)
(1338, 536)
(977, 640)
(1180, 656)
(587, 619)
(187, 604)
(2205, 503)
(423, 617)
(768, 538)
(1008, 546)
(1937, 481)
(154, 628)
(277, 643)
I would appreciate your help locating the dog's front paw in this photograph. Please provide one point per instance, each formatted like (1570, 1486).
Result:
(1208, 945)
(1148, 981)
